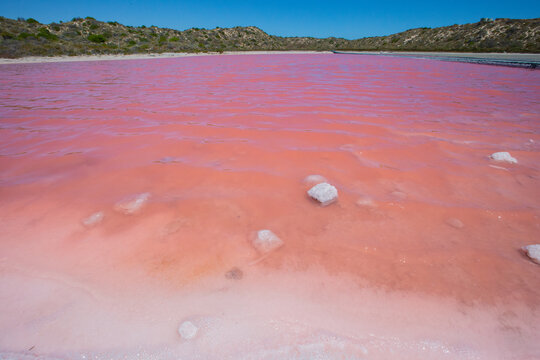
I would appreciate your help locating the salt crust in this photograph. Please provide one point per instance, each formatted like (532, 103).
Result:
(266, 241)
(504, 157)
(324, 193)
(533, 251)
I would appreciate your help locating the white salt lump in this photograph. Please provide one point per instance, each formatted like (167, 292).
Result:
(324, 193)
(503, 156)
(533, 251)
(187, 330)
(266, 241)
(132, 204)
(93, 219)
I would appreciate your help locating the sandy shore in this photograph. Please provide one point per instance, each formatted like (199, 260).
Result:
(43, 59)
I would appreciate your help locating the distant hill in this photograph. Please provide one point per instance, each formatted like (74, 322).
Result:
(28, 37)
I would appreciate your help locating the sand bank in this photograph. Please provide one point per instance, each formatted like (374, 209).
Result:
(46, 59)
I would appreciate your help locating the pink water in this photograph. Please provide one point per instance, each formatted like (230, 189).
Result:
(418, 259)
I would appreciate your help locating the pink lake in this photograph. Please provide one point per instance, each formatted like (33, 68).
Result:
(130, 192)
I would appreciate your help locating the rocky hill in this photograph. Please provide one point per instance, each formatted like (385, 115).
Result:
(28, 37)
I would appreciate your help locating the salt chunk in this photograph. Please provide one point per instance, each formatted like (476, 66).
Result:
(458, 224)
(93, 219)
(266, 241)
(503, 156)
(314, 179)
(132, 204)
(533, 251)
(187, 330)
(324, 193)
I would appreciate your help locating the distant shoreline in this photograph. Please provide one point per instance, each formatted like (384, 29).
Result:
(48, 59)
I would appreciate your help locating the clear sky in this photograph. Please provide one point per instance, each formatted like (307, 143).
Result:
(349, 19)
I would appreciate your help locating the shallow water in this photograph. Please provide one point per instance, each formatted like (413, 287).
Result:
(129, 191)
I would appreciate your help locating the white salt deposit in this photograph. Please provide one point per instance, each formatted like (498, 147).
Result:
(93, 219)
(503, 156)
(314, 179)
(458, 224)
(187, 330)
(367, 202)
(266, 241)
(324, 193)
(132, 204)
(533, 251)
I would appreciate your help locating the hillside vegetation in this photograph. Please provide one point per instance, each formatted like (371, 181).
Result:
(28, 37)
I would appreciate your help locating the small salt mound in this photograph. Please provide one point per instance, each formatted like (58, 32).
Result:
(187, 330)
(266, 241)
(93, 219)
(132, 204)
(365, 202)
(533, 251)
(324, 193)
(503, 156)
(458, 224)
(314, 179)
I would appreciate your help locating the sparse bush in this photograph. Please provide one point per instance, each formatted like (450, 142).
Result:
(32, 21)
(162, 39)
(89, 18)
(131, 42)
(6, 35)
(97, 38)
(174, 39)
(24, 36)
(94, 27)
(44, 33)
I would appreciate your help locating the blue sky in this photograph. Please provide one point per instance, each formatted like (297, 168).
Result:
(349, 19)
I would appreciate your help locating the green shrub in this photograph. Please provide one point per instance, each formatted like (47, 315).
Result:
(174, 39)
(131, 42)
(112, 23)
(44, 33)
(97, 38)
(76, 19)
(89, 18)
(24, 35)
(162, 39)
(94, 26)
(7, 35)
(32, 21)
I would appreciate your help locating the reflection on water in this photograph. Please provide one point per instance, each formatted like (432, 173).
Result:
(130, 192)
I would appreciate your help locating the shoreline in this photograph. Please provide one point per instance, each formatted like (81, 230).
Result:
(434, 54)
(65, 58)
